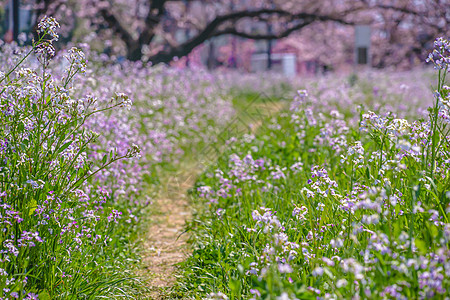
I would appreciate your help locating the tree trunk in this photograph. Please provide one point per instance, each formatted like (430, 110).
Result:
(135, 52)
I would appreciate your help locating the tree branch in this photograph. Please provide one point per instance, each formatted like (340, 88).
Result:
(399, 9)
(212, 30)
(153, 18)
(272, 36)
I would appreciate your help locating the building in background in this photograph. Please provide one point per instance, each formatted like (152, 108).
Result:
(15, 19)
(362, 45)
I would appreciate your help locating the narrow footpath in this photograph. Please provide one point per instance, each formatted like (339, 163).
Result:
(166, 243)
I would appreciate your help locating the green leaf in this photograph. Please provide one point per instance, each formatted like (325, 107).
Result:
(241, 269)
(235, 286)
(421, 245)
(44, 295)
(64, 147)
(398, 227)
(32, 207)
(434, 231)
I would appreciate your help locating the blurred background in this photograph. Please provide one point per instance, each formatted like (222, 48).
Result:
(291, 37)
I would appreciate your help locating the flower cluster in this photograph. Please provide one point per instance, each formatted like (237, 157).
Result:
(440, 56)
(71, 190)
(77, 59)
(49, 25)
(370, 219)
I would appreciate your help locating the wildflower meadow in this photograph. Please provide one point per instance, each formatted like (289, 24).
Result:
(342, 195)
(339, 190)
(78, 161)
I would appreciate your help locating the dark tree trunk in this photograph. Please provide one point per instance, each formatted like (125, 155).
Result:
(16, 21)
(135, 53)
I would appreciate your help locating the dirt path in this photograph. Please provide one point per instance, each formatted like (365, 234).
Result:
(166, 245)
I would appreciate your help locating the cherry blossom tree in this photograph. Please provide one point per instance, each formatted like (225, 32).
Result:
(405, 29)
(153, 27)
(159, 31)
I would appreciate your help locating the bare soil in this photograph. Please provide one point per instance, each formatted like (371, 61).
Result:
(166, 243)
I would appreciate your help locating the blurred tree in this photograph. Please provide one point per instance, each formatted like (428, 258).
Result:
(406, 29)
(159, 31)
(156, 24)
